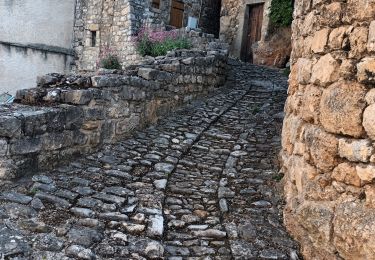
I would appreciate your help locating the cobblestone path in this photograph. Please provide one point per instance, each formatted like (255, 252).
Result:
(201, 184)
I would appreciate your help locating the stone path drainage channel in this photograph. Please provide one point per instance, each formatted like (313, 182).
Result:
(202, 184)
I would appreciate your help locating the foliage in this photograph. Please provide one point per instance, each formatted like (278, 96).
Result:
(158, 43)
(281, 13)
(286, 72)
(108, 59)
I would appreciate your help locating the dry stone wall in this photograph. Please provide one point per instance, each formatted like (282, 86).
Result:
(70, 115)
(328, 134)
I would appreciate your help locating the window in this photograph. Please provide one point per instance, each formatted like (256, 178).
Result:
(156, 4)
(93, 38)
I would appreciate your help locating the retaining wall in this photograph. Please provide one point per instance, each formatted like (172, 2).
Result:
(70, 115)
(329, 130)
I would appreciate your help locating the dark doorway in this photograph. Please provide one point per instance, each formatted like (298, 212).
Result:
(177, 13)
(210, 17)
(252, 30)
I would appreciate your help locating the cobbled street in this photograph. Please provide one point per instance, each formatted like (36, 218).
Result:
(201, 184)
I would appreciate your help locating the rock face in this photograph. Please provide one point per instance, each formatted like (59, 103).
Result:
(328, 151)
(274, 50)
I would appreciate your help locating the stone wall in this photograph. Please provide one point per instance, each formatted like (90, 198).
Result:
(114, 25)
(329, 130)
(70, 115)
(274, 47)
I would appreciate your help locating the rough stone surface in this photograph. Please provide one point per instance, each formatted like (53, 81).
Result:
(223, 147)
(109, 106)
(328, 133)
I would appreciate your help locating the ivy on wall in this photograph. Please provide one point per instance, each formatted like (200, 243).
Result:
(281, 14)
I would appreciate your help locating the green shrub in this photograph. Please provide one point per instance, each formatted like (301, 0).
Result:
(110, 61)
(281, 14)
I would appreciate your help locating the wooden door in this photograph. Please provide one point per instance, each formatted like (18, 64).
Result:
(254, 30)
(177, 13)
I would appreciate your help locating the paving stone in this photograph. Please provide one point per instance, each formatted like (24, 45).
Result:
(156, 226)
(15, 197)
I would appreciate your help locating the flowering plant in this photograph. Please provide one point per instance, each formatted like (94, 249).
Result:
(158, 42)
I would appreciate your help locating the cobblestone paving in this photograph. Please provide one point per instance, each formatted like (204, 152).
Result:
(199, 185)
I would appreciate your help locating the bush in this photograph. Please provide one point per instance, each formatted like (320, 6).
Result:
(108, 59)
(158, 43)
(281, 14)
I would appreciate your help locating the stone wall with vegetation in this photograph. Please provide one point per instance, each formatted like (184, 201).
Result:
(329, 130)
(70, 115)
(114, 25)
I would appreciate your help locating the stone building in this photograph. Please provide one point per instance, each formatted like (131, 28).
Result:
(35, 38)
(110, 25)
(329, 130)
(39, 37)
(245, 25)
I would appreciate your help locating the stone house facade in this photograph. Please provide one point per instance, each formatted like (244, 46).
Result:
(245, 25)
(103, 25)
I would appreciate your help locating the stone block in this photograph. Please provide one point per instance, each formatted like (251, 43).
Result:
(370, 196)
(310, 104)
(93, 27)
(358, 42)
(3, 147)
(341, 108)
(10, 126)
(355, 150)
(325, 71)
(320, 41)
(346, 173)
(35, 122)
(323, 148)
(366, 71)
(55, 141)
(292, 132)
(353, 233)
(25, 146)
(304, 67)
(366, 172)
(348, 69)
(148, 73)
(132, 93)
(336, 38)
(73, 116)
(371, 37)
(331, 14)
(317, 219)
(77, 97)
(7, 169)
(369, 121)
(359, 10)
(370, 97)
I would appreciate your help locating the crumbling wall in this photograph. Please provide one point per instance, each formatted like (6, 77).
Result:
(70, 115)
(329, 130)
